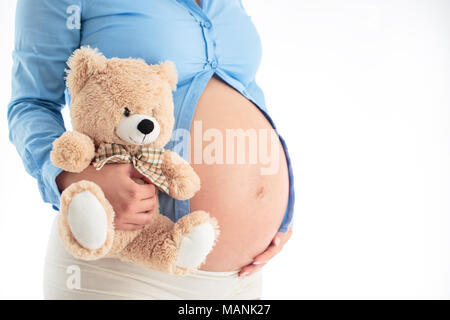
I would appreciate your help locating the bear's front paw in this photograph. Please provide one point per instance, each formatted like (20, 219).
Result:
(185, 184)
(183, 181)
(72, 152)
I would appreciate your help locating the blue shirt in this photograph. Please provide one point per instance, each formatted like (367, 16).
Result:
(218, 38)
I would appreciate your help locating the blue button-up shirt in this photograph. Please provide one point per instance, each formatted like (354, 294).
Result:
(216, 38)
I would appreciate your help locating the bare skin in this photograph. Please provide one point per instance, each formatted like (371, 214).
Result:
(248, 205)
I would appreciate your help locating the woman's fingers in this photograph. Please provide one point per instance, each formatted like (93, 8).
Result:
(141, 188)
(137, 189)
(249, 269)
(271, 251)
(138, 212)
(145, 205)
(275, 246)
(128, 226)
(260, 260)
(147, 191)
(135, 206)
(134, 174)
(138, 219)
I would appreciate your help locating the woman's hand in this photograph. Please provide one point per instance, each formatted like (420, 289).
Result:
(275, 246)
(133, 202)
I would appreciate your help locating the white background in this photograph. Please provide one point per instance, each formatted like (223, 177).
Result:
(360, 91)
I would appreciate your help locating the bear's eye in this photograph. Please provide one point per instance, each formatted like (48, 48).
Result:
(126, 112)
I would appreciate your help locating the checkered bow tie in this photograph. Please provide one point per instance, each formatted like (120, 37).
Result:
(146, 160)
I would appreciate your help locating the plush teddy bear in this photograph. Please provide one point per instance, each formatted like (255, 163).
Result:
(122, 112)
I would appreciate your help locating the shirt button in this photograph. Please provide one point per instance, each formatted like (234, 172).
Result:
(206, 24)
(213, 64)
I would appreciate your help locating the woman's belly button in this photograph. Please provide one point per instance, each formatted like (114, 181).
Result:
(244, 175)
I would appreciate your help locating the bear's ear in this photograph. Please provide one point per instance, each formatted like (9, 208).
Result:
(84, 63)
(168, 72)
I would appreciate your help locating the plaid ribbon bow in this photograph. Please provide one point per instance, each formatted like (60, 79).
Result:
(146, 160)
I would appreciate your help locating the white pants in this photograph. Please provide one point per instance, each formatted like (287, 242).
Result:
(68, 278)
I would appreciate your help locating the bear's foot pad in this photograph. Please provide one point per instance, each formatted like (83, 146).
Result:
(87, 220)
(195, 246)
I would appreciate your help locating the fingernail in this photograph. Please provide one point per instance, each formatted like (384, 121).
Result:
(277, 241)
(257, 262)
(244, 274)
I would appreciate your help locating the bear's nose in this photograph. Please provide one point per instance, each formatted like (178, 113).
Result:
(146, 126)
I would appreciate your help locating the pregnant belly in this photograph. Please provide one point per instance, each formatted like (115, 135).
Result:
(243, 170)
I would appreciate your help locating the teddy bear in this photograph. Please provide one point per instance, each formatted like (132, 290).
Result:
(122, 112)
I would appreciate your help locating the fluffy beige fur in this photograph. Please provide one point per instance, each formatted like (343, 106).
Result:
(100, 88)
